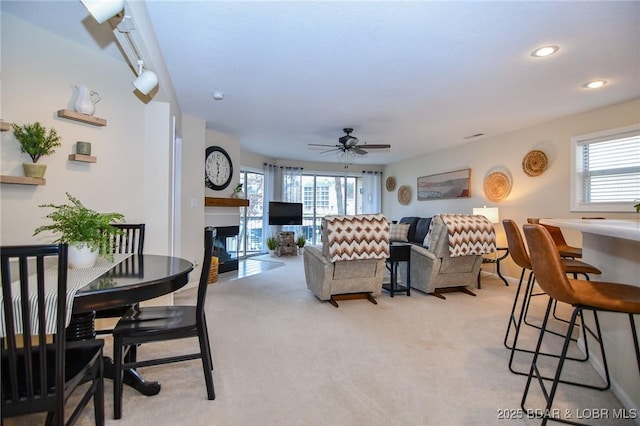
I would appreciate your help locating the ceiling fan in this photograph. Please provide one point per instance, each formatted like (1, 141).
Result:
(348, 146)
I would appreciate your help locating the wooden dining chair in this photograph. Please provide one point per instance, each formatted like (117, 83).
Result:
(130, 240)
(40, 371)
(142, 325)
(594, 296)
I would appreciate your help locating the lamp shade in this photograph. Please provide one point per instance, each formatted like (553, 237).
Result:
(102, 10)
(491, 213)
(146, 81)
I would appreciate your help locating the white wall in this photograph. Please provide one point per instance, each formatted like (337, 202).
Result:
(192, 207)
(39, 70)
(546, 195)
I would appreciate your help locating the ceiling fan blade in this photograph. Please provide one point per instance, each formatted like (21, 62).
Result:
(376, 146)
(321, 144)
(330, 150)
(359, 150)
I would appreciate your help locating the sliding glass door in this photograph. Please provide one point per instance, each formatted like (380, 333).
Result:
(322, 194)
(251, 217)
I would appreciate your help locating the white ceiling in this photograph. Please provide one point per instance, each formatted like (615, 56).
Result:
(421, 76)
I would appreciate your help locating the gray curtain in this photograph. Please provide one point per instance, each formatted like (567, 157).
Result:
(371, 192)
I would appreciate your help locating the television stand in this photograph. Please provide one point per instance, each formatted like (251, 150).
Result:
(286, 244)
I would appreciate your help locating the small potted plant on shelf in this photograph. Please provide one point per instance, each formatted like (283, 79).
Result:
(87, 232)
(272, 243)
(300, 242)
(238, 193)
(35, 141)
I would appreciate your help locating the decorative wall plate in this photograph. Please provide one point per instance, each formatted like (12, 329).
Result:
(497, 186)
(534, 163)
(404, 195)
(391, 183)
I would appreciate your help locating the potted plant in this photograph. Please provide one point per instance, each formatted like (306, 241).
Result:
(37, 142)
(300, 242)
(237, 192)
(272, 243)
(87, 232)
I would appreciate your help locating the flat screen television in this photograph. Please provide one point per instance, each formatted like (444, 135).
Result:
(281, 213)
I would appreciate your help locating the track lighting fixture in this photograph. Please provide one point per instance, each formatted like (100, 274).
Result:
(103, 10)
(146, 80)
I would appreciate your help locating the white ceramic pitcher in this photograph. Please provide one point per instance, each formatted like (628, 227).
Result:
(86, 100)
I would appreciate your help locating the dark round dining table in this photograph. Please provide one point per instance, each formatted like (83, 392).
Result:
(138, 278)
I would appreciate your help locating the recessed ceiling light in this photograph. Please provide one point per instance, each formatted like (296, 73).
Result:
(541, 52)
(595, 84)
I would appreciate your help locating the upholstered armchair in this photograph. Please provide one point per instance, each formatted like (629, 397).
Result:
(453, 257)
(351, 262)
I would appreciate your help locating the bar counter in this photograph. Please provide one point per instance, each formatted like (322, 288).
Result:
(613, 246)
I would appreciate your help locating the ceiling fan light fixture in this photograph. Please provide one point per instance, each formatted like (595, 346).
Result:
(544, 51)
(351, 142)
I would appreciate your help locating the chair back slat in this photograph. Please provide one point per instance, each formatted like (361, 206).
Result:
(131, 240)
(27, 357)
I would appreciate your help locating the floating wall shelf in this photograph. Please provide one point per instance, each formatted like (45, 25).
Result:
(22, 180)
(84, 118)
(4, 126)
(83, 158)
(225, 202)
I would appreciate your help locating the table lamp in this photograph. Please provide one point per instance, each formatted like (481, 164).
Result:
(491, 213)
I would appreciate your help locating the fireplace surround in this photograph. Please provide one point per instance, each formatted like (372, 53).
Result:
(225, 247)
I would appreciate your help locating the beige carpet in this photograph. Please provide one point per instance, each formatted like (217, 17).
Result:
(282, 357)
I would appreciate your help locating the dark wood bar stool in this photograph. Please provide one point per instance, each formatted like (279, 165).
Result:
(521, 258)
(582, 295)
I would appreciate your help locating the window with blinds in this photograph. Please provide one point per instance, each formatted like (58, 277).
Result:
(606, 170)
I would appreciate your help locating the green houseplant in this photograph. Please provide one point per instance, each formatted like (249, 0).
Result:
(85, 230)
(272, 243)
(300, 242)
(35, 141)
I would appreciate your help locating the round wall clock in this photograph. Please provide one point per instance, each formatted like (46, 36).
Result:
(218, 168)
(391, 183)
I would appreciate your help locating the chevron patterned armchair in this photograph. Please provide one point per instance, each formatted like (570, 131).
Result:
(453, 257)
(351, 262)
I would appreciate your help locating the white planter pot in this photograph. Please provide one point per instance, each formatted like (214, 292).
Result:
(81, 256)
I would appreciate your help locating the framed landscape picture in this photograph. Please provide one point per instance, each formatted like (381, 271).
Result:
(442, 186)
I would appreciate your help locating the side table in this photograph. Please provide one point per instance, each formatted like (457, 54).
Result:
(497, 263)
(398, 253)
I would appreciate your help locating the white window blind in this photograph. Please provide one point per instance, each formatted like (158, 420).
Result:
(606, 172)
